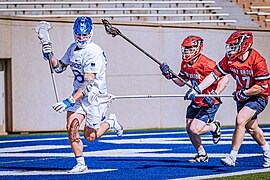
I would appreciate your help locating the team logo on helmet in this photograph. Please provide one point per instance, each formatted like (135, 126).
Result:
(238, 43)
(191, 48)
(83, 31)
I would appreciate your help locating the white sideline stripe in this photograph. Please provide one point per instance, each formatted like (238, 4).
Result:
(30, 140)
(33, 148)
(104, 136)
(129, 135)
(185, 140)
(52, 172)
(226, 174)
(124, 153)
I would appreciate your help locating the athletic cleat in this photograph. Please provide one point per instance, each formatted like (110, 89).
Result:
(117, 128)
(199, 158)
(266, 159)
(79, 168)
(216, 134)
(228, 161)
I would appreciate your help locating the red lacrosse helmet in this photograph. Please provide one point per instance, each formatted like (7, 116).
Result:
(238, 43)
(191, 47)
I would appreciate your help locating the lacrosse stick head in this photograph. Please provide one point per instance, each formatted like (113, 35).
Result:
(42, 29)
(110, 29)
(96, 99)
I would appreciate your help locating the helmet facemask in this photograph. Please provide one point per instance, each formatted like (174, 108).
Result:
(189, 52)
(83, 39)
(237, 44)
(232, 50)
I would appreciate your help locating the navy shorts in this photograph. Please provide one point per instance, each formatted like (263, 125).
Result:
(256, 103)
(206, 114)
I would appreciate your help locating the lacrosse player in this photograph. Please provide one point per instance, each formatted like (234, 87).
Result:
(250, 71)
(88, 64)
(201, 112)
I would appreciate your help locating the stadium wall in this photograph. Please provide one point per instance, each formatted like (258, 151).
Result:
(129, 73)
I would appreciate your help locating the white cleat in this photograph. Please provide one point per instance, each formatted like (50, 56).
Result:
(228, 161)
(79, 168)
(216, 134)
(199, 158)
(116, 127)
(266, 159)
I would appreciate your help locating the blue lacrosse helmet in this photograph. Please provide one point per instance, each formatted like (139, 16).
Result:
(83, 31)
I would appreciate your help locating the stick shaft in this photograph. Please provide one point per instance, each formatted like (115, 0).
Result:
(166, 96)
(53, 79)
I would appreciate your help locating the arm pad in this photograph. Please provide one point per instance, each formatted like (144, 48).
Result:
(215, 76)
(60, 67)
(87, 85)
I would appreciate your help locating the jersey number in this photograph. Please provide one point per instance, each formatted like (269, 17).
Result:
(244, 79)
(78, 76)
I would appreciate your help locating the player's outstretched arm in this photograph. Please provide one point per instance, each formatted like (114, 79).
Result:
(222, 84)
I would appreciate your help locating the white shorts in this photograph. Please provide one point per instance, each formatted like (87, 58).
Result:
(93, 114)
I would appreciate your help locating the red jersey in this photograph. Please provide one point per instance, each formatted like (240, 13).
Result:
(253, 71)
(197, 72)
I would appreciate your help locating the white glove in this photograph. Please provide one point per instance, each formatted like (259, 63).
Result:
(47, 48)
(63, 105)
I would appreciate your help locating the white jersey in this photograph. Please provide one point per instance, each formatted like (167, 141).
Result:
(90, 59)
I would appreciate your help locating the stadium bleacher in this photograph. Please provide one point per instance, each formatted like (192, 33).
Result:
(193, 11)
(259, 10)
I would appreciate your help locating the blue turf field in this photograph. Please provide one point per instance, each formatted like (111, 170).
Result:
(156, 155)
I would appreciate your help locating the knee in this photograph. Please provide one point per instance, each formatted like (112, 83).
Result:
(90, 136)
(194, 130)
(240, 121)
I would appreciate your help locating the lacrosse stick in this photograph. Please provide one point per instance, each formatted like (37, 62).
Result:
(42, 29)
(114, 32)
(108, 98)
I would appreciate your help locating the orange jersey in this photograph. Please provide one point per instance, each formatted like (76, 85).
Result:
(253, 71)
(197, 72)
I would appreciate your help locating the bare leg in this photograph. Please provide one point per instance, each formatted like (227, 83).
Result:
(256, 132)
(194, 129)
(91, 134)
(73, 124)
(242, 119)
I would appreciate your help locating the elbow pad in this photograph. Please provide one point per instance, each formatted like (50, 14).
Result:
(215, 76)
(87, 86)
(60, 67)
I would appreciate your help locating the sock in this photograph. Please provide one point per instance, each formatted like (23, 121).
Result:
(266, 147)
(234, 154)
(213, 127)
(202, 152)
(111, 121)
(80, 160)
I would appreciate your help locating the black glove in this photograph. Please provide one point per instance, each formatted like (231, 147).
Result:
(240, 95)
